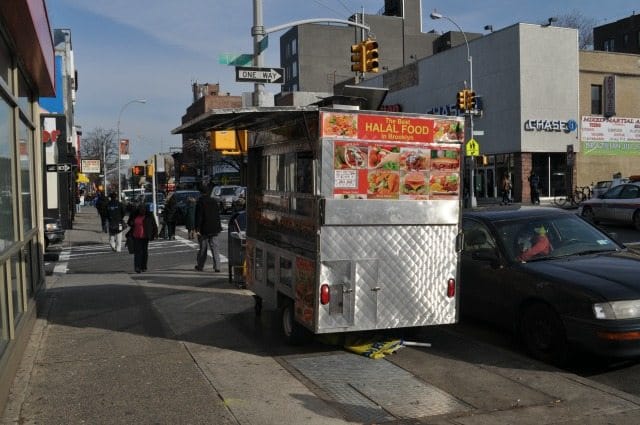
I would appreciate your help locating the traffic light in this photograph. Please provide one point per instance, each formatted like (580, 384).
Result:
(358, 57)
(461, 100)
(371, 55)
(137, 170)
(150, 170)
(472, 100)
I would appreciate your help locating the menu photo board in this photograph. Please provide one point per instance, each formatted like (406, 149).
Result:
(380, 157)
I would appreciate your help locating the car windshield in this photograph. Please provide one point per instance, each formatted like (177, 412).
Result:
(227, 191)
(148, 197)
(183, 196)
(567, 235)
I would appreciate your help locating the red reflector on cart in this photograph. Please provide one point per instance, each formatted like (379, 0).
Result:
(325, 297)
(451, 288)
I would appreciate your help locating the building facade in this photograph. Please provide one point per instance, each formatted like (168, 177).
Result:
(622, 36)
(197, 160)
(610, 111)
(61, 141)
(527, 79)
(316, 57)
(26, 73)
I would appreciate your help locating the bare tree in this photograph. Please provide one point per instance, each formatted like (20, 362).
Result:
(101, 144)
(584, 25)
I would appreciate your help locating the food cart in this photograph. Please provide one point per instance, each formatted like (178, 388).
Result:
(353, 216)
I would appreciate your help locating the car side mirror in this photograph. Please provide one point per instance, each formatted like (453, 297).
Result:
(487, 254)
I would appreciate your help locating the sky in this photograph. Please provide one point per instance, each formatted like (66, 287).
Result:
(156, 49)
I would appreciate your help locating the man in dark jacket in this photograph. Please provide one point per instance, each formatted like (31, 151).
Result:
(207, 227)
(115, 215)
(101, 206)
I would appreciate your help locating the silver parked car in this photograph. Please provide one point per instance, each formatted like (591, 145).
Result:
(619, 204)
(226, 196)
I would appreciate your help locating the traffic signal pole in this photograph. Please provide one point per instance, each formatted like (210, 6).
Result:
(259, 32)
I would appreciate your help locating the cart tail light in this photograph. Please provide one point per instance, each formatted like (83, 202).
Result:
(451, 288)
(325, 296)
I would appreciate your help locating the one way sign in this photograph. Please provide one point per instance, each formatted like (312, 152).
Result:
(259, 75)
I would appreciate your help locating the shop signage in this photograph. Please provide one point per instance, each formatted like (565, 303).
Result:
(610, 136)
(609, 95)
(50, 136)
(565, 126)
(90, 166)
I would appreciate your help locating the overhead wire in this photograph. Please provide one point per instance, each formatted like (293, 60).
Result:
(330, 8)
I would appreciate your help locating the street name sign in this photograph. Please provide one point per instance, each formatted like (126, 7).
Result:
(260, 75)
(235, 59)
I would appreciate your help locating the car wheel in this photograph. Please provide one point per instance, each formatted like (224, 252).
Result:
(636, 220)
(293, 333)
(587, 214)
(543, 334)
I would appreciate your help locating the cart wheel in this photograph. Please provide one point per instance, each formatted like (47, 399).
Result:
(293, 333)
(257, 306)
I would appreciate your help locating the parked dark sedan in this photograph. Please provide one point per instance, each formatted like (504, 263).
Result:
(53, 231)
(582, 290)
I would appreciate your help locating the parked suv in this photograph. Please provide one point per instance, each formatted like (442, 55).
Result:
(226, 196)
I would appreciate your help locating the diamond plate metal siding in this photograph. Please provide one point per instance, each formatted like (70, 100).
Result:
(374, 391)
(409, 264)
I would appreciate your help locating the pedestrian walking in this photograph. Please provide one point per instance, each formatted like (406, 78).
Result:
(506, 189)
(534, 183)
(115, 215)
(143, 228)
(170, 216)
(101, 206)
(190, 217)
(207, 227)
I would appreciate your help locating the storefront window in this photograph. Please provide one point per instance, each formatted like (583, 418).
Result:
(16, 288)
(596, 99)
(553, 173)
(5, 63)
(25, 138)
(7, 234)
(4, 315)
(24, 97)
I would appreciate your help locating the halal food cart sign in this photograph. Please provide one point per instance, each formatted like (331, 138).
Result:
(394, 157)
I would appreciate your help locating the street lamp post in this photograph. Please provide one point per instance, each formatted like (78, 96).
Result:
(104, 167)
(435, 15)
(118, 137)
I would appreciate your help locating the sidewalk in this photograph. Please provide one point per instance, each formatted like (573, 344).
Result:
(177, 346)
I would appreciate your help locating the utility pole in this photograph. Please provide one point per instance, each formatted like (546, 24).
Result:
(257, 31)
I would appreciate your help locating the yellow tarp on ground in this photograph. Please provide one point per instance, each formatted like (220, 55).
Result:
(373, 350)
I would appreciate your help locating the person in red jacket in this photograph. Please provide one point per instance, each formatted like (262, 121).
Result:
(540, 246)
(143, 228)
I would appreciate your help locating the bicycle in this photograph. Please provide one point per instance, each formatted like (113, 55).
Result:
(574, 199)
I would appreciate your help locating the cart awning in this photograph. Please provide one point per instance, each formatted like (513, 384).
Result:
(252, 118)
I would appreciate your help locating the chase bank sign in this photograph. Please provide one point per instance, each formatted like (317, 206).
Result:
(551, 125)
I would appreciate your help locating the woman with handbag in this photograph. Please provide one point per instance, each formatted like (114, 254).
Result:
(143, 229)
